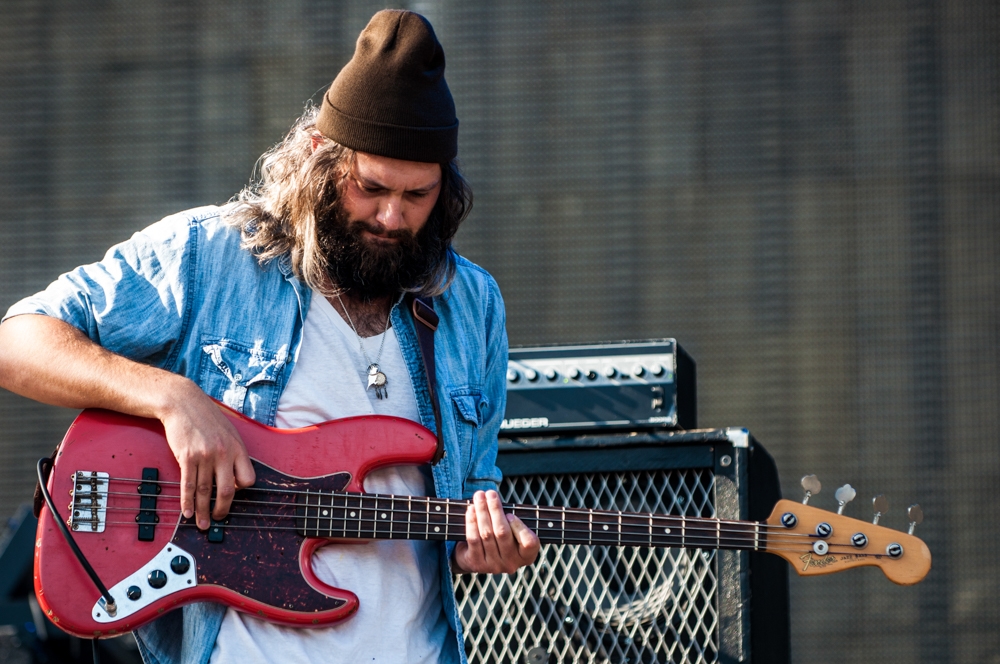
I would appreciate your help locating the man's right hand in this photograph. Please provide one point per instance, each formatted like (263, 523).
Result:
(45, 359)
(206, 446)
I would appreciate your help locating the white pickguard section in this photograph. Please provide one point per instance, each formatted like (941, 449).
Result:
(140, 579)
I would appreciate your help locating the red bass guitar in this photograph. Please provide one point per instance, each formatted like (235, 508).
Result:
(122, 486)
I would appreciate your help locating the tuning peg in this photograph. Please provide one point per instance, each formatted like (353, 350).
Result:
(916, 516)
(880, 505)
(811, 485)
(844, 495)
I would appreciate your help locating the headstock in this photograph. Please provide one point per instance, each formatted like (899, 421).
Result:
(815, 541)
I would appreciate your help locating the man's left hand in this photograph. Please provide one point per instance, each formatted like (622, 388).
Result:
(495, 543)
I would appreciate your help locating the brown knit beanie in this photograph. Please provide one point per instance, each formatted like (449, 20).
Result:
(391, 99)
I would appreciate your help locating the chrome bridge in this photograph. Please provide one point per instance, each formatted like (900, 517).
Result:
(88, 511)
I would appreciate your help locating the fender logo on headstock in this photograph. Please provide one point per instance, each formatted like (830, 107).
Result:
(809, 560)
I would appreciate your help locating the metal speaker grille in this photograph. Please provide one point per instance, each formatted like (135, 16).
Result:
(600, 604)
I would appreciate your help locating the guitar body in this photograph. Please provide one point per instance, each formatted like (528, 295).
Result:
(261, 567)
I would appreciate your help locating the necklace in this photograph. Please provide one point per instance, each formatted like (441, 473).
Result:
(376, 378)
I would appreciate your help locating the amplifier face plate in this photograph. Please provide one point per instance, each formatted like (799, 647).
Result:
(613, 385)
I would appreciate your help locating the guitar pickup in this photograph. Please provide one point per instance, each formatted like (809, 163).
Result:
(148, 490)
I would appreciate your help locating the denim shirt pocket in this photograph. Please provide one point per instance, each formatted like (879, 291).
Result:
(470, 406)
(242, 376)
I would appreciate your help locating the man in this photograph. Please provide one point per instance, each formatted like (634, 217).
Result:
(285, 305)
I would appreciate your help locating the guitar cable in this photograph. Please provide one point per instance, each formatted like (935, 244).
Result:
(110, 605)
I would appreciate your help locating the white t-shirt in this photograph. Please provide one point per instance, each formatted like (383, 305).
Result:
(400, 618)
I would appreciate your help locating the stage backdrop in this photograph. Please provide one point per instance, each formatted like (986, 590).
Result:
(805, 194)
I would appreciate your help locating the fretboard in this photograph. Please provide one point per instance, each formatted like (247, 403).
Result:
(380, 516)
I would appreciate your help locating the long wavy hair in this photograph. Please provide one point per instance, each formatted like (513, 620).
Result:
(294, 187)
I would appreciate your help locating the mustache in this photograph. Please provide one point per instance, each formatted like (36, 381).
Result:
(381, 231)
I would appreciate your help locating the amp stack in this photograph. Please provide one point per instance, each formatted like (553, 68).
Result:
(612, 426)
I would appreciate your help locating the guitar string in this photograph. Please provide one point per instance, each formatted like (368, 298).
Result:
(640, 522)
(449, 503)
(531, 512)
(642, 519)
(688, 530)
(454, 531)
(313, 492)
(639, 528)
(429, 500)
(771, 528)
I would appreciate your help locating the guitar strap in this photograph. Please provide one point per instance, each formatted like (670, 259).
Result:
(427, 320)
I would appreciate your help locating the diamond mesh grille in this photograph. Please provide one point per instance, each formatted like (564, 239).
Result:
(600, 604)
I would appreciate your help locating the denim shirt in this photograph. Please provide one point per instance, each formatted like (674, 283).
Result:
(184, 296)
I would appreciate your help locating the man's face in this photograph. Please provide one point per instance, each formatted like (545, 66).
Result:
(374, 239)
(388, 195)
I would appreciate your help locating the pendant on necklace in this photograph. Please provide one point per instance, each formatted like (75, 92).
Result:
(377, 380)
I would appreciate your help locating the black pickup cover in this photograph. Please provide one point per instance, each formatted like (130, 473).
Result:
(148, 490)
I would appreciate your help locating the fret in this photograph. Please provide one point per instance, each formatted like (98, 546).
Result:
(315, 511)
(328, 513)
(651, 529)
(373, 515)
(341, 512)
(427, 522)
(683, 532)
(635, 529)
(305, 513)
(447, 517)
(319, 512)
(741, 534)
(392, 513)
(718, 533)
(437, 522)
(409, 515)
(545, 524)
(352, 515)
(603, 526)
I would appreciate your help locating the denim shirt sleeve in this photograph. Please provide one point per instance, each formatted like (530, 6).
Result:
(132, 302)
(483, 473)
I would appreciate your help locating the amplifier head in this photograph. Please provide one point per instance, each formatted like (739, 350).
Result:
(624, 385)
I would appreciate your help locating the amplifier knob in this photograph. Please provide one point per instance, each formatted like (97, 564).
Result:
(512, 376)
(574, 373)
(657, 369)
(551, 374)
(591, 374)
(531, 375)
(638, 370)
(610, 372)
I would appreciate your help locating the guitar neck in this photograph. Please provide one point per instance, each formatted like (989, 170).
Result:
(379, 516)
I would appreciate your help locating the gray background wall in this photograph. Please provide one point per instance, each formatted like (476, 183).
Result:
(805, 194)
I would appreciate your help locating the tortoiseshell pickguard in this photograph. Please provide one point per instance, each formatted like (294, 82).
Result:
(258, 557)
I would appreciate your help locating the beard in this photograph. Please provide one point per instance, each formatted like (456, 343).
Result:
(371, 269)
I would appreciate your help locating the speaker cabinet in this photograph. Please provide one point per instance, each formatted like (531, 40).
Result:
(581, 603)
